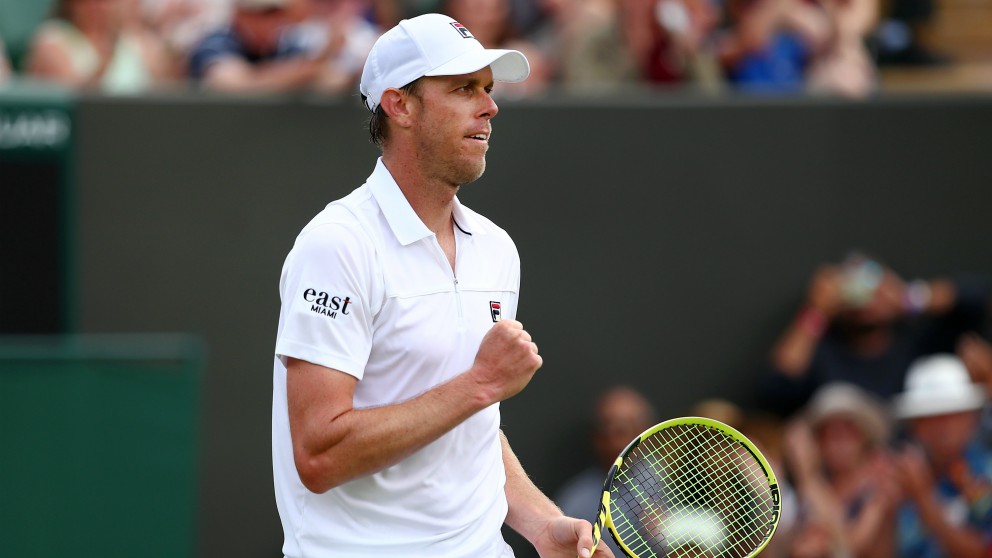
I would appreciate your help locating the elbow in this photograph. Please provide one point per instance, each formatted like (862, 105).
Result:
(315, 473)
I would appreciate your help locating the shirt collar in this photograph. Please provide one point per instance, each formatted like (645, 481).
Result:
(403, 220)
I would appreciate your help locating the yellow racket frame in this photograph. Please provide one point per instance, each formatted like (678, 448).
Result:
(604, 521)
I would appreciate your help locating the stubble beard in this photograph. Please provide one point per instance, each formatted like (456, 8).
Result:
(453, 170)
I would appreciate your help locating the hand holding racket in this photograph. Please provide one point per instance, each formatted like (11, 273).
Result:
(686, 488)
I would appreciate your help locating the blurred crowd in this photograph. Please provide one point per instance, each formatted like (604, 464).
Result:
(822, 46)
(874, 410)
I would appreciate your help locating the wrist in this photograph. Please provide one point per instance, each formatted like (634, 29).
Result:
(812, 321)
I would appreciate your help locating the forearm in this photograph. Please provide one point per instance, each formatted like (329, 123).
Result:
(529, 508)
(956, 541)
(333, 442)
(272, 77)
(793, 353)
(360, 442)
(870, 532)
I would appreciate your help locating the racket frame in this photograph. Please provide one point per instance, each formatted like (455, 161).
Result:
(605, 522)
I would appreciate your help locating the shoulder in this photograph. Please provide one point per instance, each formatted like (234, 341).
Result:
(55, 33)
(343, 225)
(55, 27)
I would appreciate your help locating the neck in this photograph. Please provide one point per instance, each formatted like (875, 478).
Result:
(431, 199)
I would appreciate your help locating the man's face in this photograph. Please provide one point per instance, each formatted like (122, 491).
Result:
(944, 437)
(452, 125)
(620, 417)
(843, 445)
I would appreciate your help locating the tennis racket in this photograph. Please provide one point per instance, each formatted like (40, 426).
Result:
(687, 488)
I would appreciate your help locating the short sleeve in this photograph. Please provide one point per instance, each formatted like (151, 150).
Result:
(328, 291)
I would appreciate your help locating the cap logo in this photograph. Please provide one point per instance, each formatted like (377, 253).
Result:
(466, 34)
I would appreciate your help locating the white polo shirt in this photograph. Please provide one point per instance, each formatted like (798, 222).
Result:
(367, 290)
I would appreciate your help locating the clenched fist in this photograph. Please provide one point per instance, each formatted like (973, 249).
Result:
(506, 361)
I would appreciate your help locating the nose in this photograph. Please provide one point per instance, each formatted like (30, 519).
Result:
(489, 108)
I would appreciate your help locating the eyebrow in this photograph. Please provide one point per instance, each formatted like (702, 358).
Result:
(475, 81)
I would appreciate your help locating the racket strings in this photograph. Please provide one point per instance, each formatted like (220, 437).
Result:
(691, 490)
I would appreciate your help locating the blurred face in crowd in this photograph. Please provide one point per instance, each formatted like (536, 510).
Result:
(94, 14)
(621, 415)
(260, 29)
(843, 444)
(944, 437)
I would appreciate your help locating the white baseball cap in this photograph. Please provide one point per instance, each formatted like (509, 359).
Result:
(938, 385)
(432, 45)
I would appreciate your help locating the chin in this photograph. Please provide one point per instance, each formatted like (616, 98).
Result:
(470, 174)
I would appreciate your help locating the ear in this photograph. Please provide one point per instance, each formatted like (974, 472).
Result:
(399, 106)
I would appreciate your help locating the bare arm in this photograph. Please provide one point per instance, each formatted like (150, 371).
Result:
(4, 64)
(49, 58)
(793, 352)
(956, 541)
(333, 442)
(538, 519)
(237, 76)
(916, 478)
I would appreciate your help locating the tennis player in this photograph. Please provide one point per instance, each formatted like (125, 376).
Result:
(397, 338)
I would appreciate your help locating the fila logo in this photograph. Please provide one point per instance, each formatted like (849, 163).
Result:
(325, 304)
(466, 34)
(494, 309)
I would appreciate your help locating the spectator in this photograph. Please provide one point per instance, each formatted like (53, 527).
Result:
(387, 13)
(621, 415)
(772, 43)
(5, 70)
(945, 474)
(767, 431)
(674, 41)
(183, 23)
(340, 28)
(93, 44)
(582, 42)
(836, 459)
(253, 54)
(721, 410)
(492, 24)
(862, 324)
(976, 354)
(844, 66)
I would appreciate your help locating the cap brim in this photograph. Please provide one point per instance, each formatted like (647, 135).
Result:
(508, 65)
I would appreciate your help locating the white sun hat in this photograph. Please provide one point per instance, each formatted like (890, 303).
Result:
(938, 385)
(432, 45)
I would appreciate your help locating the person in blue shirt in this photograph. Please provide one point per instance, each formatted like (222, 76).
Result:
(254, 54)
(945, 472)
